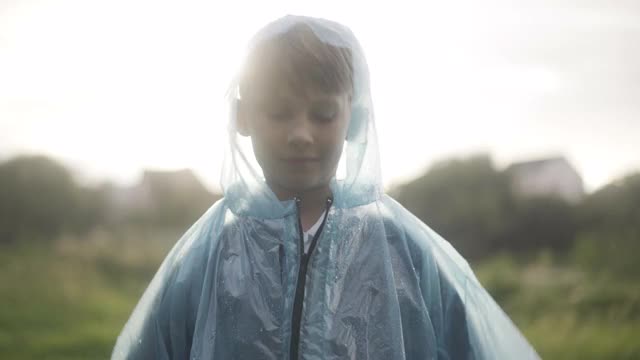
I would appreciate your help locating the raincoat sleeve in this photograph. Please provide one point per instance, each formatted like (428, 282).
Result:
(455, 342)
(467, 321)
(161, 325)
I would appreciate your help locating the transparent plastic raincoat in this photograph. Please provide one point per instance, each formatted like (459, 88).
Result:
(377, 283)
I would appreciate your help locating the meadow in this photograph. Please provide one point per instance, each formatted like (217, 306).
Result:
(69, 299)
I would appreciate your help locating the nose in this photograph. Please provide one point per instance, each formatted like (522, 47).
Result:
(300, 134)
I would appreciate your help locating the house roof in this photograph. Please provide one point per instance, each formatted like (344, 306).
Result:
(534, 165)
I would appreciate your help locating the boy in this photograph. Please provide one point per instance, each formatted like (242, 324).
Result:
(295, 264)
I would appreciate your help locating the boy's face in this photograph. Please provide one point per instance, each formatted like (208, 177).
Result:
(297, 136)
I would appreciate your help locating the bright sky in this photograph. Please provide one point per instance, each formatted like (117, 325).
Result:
(112, 87)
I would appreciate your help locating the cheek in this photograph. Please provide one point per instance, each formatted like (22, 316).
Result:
(342, 128)
(263, 148)
(335, 142)
(264, 136)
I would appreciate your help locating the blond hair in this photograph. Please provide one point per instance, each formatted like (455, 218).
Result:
(299, 57)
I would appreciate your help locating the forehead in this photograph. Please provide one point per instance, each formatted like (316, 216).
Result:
(286, 90)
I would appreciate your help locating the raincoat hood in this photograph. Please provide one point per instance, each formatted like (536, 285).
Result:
(362, 183)
(376, 282)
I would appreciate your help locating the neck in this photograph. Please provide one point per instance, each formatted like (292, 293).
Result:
(313, 202)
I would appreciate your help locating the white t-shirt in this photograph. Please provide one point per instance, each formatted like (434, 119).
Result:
(309, 234)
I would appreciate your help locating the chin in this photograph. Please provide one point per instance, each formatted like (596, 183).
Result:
(301, 187)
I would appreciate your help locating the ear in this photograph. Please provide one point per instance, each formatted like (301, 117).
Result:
(242, 118)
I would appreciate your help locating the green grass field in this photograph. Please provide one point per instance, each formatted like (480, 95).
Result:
(567, 313)
(69, 300)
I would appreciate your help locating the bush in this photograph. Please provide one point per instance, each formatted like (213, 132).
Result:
(38, 199)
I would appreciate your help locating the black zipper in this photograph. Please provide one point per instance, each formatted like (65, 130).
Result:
(298, 301)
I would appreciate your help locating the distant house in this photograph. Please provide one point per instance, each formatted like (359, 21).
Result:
(178, 191)
(546, 177)
(181, 183)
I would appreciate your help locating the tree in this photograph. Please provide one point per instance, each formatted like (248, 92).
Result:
(38, 198)
(465, 200)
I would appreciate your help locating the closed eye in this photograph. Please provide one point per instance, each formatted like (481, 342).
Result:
(325, 111)
(324, 116)
(277, 111)
(279, 115)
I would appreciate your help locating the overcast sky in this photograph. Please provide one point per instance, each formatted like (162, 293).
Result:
(113, 87)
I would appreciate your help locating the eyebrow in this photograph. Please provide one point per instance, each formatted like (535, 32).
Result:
(264, 97)
(327, 102)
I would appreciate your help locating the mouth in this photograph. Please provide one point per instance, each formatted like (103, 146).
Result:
(301, 160)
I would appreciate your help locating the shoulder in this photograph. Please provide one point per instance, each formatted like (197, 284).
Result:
(438, 266)
(185, 262)
(419, 235)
